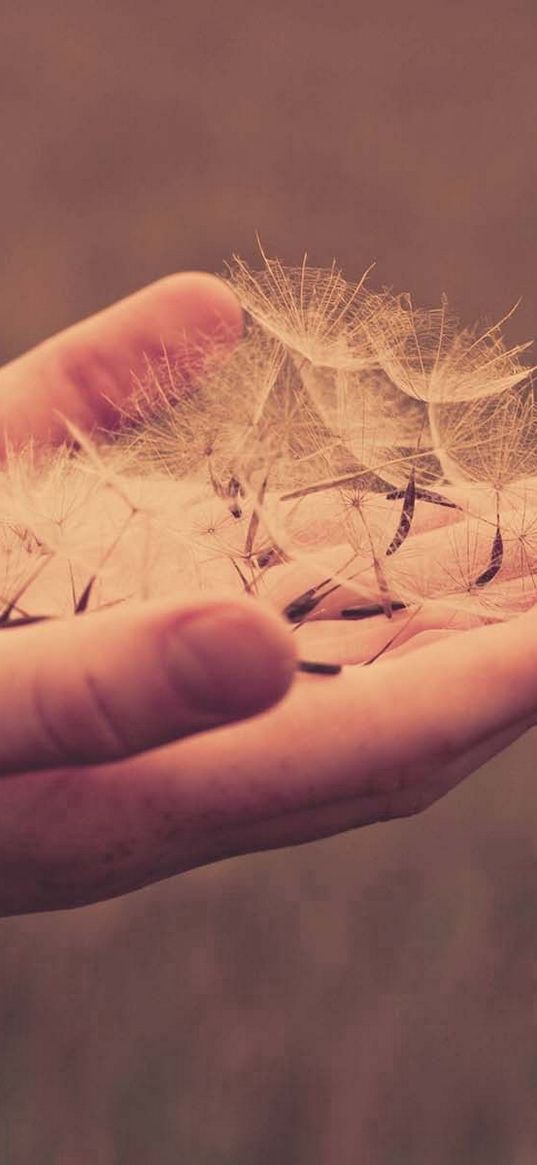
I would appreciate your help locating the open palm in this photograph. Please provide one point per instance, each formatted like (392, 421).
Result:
(121, 764)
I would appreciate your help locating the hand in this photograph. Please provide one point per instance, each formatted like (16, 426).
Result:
(111, 777)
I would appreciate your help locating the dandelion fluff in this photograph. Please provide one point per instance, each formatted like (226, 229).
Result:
(368, 469)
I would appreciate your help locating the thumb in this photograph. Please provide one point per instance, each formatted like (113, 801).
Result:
(105, 685)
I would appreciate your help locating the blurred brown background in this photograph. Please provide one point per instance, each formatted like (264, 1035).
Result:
(369, 1000)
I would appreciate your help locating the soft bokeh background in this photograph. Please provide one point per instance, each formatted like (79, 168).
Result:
(369, 1000)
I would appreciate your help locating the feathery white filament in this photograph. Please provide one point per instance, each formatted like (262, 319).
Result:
(349, 440)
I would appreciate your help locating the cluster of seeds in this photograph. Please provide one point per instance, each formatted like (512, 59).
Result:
(353, 458)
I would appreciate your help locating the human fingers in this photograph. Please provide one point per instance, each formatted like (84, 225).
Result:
(366, 732)
(376, 639)
(66, 841)
(335, 816)
(328, 758)
(87, 372)
(106, 685)
(454, 577)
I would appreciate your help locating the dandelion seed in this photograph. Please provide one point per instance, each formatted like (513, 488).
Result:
(496, 559)
(407, 514)
(352, 458)
(312, 312)
(424, 495)
(254, 521)
(271, 556)
(318, 669)
(82, 602)
(24, 621)
(298, 609)
(371, 611)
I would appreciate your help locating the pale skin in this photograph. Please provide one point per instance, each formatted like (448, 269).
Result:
(113, 776)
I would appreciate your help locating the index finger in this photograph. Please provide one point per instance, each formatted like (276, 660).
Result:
(87, 372)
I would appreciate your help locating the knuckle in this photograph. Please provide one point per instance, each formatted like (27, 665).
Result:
(80, 724)
(105, 718)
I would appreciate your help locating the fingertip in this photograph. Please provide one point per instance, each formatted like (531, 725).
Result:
(88, 371)
(234, 658)
(279, 649)
(198, 303)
